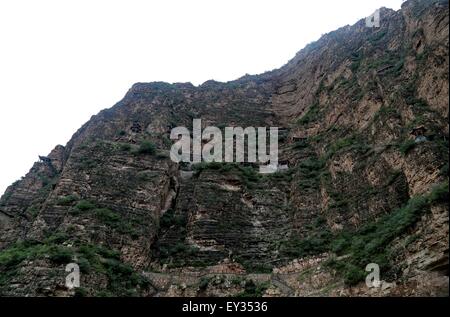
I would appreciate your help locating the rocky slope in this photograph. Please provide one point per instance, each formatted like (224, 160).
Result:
(358, 190)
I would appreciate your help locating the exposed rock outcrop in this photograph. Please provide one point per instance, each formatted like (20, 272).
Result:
(357, 188)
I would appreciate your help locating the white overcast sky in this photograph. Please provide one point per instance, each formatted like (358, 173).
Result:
(63, 61)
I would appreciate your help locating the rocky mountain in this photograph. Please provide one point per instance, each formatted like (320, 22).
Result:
(363, 118)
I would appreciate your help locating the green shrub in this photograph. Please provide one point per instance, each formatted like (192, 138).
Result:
(254, 290)
(126, 228)
(317, 242)
(125, 147)
(107, 253)
(377, 37)
(311, 164)
(60, 255)
(237, 280)
(147, 147)
(439, 193)
(408, 92)
(279, 176)
(338, 145)
(301, 144)
(66, 200)
(208, 166)
(204, 282)
(85, 265)
(310, 171)
(355, 66)
(353, 275)
(261, 268)
(116, 267)
(398, 67)
(169, 219)
(88, 163)
(106, 215)
(115, 221)
(406, 146)
(15, 254)
(370, 243)
(57, 238)
(311, 115)
(162, 155)
(80, 292)
(386, 112)
(444, 170)
(393, 176)
(354, 142)
(84, 205)
(419, 103)
(248, 174)
(122, 279)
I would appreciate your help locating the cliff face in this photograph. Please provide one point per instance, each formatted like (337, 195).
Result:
(358, 190)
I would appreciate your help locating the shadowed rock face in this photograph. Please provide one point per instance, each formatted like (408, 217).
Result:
(358, 189)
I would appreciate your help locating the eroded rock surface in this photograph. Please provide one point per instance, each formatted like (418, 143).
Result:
(358, 189)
